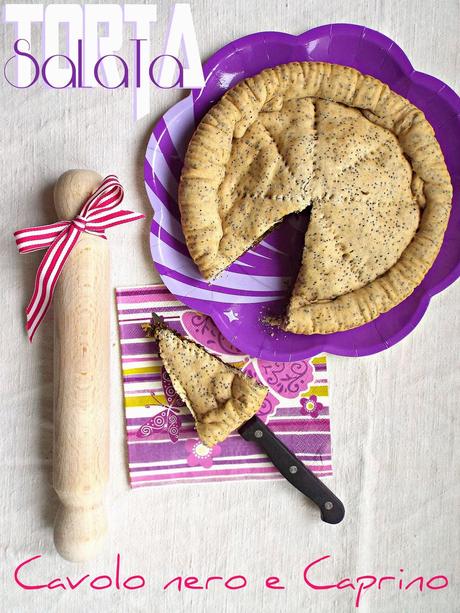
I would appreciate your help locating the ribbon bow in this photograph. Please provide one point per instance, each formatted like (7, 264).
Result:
(98, 213)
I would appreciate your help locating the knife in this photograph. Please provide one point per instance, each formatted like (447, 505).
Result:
(331, 508)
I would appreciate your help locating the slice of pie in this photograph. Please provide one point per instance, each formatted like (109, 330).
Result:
(220, 397)
(323, 136)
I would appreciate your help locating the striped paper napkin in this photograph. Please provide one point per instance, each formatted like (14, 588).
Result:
(163, 446)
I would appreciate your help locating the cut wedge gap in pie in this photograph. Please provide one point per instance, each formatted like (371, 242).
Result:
(323, 136)
(219, 396)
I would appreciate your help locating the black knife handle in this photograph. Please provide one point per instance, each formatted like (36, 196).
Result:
(332, 510)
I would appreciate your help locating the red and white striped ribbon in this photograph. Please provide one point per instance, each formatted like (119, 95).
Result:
(98, 213)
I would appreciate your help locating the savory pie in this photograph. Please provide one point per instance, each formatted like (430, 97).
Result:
(323, 136)
(220, 397)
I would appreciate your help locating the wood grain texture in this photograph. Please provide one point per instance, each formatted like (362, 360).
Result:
(81, 380)
(395, 419)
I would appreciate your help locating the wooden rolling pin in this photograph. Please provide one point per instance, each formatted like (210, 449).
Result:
(81, 375)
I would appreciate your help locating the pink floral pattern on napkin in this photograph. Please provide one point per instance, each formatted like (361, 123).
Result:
(311, 406)
(199, 454)
(163, 446)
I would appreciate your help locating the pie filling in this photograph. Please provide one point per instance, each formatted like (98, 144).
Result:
(364, 158)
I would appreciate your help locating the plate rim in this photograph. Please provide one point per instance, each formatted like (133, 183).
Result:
(422, 293)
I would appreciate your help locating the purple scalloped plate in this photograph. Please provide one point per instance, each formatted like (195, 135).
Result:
(258, 282)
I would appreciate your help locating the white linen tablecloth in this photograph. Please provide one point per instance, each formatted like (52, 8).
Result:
(395, 422)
